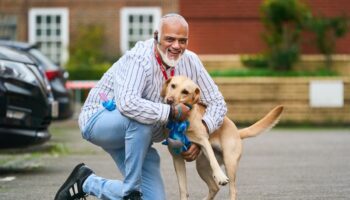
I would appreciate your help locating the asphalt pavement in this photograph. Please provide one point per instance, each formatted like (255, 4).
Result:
(283, 164)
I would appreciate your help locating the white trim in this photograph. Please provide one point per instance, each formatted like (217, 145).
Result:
(124, 25)
(64, 37)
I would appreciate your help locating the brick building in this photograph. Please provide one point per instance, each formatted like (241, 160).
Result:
(216, 27)
(234, 27)
(54, 24)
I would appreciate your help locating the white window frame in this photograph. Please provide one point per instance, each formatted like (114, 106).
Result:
(124, 22)
(64, 28)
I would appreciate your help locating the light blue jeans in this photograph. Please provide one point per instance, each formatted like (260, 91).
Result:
(129, 143)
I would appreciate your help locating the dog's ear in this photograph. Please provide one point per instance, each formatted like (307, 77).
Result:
(163, 92)
(196, 95)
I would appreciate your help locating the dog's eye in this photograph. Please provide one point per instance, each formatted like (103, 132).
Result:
(173, 86)
(185, 92)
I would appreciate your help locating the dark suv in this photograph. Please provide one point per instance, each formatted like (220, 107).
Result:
(56, 75)
(26, 101)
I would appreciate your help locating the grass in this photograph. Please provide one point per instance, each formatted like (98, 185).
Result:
(268, 73)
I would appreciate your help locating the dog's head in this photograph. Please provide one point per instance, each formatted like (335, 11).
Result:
(180, 89)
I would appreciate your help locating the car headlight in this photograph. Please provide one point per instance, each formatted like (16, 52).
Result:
(15, 70)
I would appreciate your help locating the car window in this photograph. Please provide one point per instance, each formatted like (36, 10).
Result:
(9, 54)
(44, 61)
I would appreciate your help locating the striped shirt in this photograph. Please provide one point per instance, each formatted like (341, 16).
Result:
(135, 82)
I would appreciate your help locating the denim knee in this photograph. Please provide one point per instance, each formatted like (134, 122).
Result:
(143, 131)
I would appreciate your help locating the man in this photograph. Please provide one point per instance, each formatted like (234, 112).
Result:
(127, 132)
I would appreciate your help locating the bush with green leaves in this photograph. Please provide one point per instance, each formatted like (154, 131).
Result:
(283, 22)
(326, 31)
(87, 61)
(254, 61)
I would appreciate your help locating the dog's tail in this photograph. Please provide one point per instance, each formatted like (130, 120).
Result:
(263, 125)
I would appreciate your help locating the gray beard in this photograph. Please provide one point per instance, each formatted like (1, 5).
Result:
(166, 60)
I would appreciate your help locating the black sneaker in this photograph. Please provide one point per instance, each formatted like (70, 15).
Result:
(72, 188)
(135, 195)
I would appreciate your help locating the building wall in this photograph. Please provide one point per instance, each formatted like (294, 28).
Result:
(83, 12)
(234, 27)
(216, 27)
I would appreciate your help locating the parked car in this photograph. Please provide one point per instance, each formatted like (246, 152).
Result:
(56, 75)
(26, 101)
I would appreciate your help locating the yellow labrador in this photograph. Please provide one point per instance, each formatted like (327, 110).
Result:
(223, 147)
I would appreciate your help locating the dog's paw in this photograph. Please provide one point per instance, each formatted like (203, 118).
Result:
(221, 178)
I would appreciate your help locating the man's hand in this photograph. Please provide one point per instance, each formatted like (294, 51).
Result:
(180, 112)
(192, 153)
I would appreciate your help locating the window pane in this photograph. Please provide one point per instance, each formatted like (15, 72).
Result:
(141, 18)
(48, 19)
(38, 32)
(8, 26)
(132, 44)
(38, 19)
(58, 19)
(131, 19)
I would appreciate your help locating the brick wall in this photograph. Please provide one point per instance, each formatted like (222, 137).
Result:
(249, 99)
(82, 12)
(234, 27)
(216, 27)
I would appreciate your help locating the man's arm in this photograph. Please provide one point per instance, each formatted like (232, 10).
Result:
(131, 80)
(211, 96)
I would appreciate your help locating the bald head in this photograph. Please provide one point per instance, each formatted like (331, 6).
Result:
(171, 19)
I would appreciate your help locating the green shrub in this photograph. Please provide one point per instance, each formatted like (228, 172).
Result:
(87, 61)
(326, 31)
(254, 61)
(93, 73)
(283, 23)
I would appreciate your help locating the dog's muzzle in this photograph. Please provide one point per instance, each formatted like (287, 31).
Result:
(170, 100)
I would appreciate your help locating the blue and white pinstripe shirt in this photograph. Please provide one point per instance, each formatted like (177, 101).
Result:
(135, 82)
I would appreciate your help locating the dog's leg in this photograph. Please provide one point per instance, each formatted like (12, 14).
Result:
(218, 174)
(231, 155)
(205, 172)
(180, 169)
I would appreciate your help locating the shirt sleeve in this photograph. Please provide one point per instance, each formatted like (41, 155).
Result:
(131, 79)
(212, 98)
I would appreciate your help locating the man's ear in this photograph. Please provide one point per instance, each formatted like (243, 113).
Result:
(196, 95)
(163, 92)
(155, 36)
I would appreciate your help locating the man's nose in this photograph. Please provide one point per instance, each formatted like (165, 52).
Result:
(176, 44)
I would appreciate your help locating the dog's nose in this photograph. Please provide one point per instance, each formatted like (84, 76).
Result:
(170, 100)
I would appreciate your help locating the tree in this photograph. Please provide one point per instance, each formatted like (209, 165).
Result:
(283, 21)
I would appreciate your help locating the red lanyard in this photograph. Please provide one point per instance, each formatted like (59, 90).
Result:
(172, 72)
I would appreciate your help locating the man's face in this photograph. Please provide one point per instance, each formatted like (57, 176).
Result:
(173, 42)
